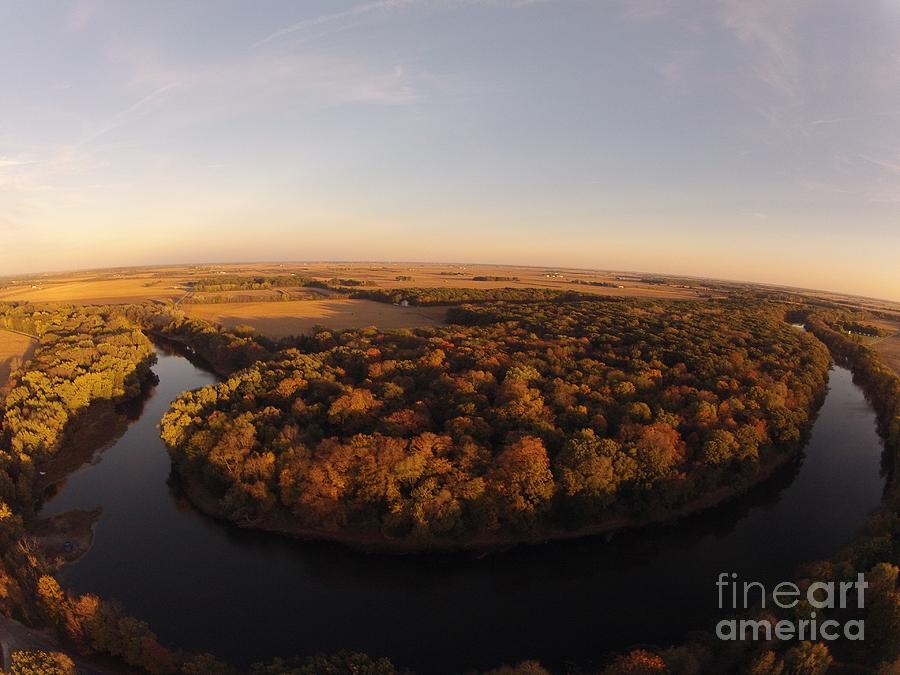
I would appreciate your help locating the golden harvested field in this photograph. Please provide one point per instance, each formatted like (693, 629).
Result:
(432, 275)
(92, 291)
(170, 283)
(167, 283)
(279, 319)
(889, 347)
(12, 345)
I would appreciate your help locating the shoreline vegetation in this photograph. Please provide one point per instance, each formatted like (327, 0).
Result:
(367, 542)
(639, 441)
(97, 629)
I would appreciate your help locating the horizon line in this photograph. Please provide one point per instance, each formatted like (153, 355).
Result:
(769, 284)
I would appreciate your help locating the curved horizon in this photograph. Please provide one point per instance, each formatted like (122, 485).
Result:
(721, 139)
(438, 263)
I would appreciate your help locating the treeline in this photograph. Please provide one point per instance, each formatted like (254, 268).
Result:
(424, 297)
(236, 282)
(225, 351)
(865, 329)
(483, 277)
(519, 419)
(349, 282)
(225, 297)
(587, 282)
(849, 322)
(83, 356)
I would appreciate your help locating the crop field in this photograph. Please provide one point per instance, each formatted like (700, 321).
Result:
(890, 352)
(166, 284)
(279, 319)
(12, 346)
(291, 310)
(889, 347)
(94, 290)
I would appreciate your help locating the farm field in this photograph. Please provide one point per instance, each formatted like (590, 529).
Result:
(890, 352)
(889, 347)
(167, 283)
(279, 319)
(96, 290)
(12, 346)
(269, 315)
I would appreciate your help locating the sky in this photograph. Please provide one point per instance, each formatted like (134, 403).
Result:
(724, 138)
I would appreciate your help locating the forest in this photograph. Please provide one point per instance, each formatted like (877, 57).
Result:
(235, 282)
(82, 356)
(426, 297)
(87, 356)
(225, 351)
(875, 552)
(514, 421)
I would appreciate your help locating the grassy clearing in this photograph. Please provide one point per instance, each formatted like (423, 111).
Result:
(12, 346)
(92, 291)
(889, 348)
(278, 319)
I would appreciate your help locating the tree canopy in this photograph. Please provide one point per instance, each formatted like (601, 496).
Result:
(518, 417)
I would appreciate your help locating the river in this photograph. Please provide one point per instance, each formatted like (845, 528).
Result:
(205, 585)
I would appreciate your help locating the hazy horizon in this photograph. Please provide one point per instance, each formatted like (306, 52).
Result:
(722, 139)
(437, 263)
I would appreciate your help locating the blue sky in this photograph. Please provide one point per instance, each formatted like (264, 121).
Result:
(750, 140)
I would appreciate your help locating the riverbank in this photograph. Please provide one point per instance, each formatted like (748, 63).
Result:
(68, 536)
(485, 544)
(185, 348)
(86, 437)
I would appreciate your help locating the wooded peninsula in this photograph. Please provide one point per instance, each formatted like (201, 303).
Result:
(517, 422)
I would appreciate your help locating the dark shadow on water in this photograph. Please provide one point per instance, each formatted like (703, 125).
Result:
(89, 435)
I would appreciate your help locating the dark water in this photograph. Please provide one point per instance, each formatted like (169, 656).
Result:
(246, 596)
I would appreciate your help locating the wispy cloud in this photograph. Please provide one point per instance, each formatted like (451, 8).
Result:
(242, 81)
(356, 12)
(822, 122)
(865, 178)
(120, 118)
(79, 16)
(336, 17)
(676, 69)
(645, 10)
(892, 166)
(768, 29)
(11, 162)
